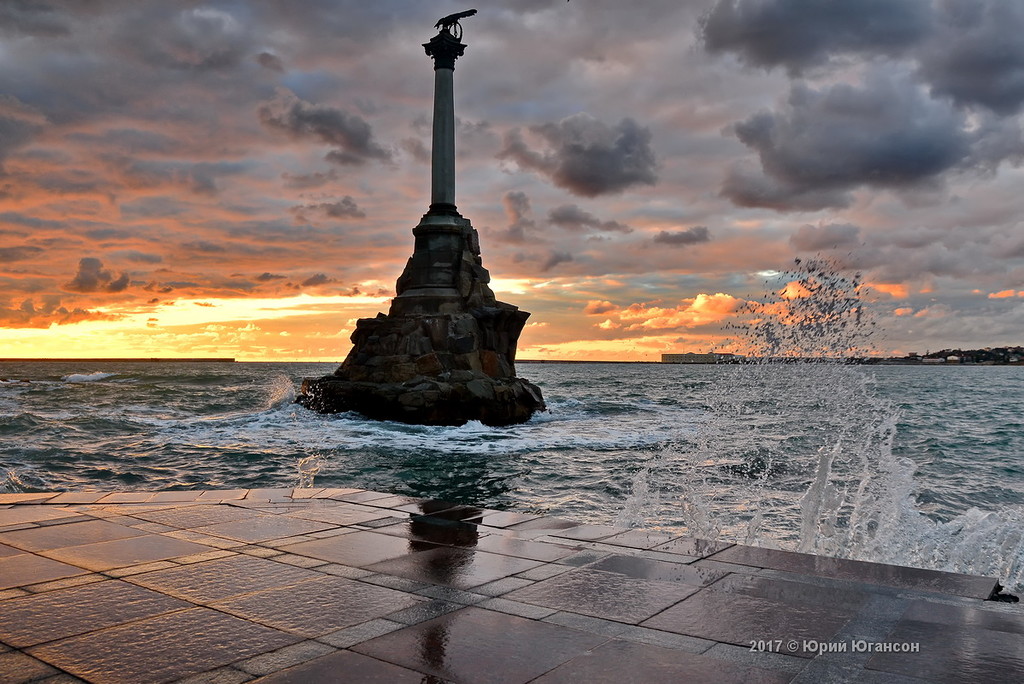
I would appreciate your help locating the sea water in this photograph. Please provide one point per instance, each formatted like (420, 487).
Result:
(915, 465)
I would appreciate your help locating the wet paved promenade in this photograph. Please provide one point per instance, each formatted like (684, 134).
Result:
(347, 585)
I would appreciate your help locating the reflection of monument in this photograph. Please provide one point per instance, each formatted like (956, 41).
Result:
(445, 352)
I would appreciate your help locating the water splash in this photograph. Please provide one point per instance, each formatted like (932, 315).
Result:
(309, 467)
(12, 483)
(797, 449)
(87, 377)
(281, 392)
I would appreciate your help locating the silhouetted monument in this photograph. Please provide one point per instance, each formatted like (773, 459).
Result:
(445, 352)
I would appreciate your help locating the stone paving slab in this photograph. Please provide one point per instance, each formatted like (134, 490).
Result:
(345, 584)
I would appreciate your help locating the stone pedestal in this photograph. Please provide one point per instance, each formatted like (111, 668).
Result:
(445, 352)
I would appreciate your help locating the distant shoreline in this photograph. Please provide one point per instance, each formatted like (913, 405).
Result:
(123, 360)
(866, 362)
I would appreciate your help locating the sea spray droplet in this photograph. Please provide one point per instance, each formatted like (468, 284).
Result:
(281, 391)
(309, 468)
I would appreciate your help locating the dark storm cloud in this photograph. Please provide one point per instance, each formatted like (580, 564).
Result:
(19, 123)
(268, 60)
(571, 217)
(690, 236)
(307, 181)
(92, 277)
(266, 277)
(750, 187)
(969, 50)
(824, 143)
(20, 253)
(553, 259)
(801, 33)
(141, 257)
(31, 18)
(318, 279)
(345, 208)
(194, 39)
(810, 238)
(29, 221)
(586, 156)
(977, 56)
(349, 133)
(517, 208)
(205, 247)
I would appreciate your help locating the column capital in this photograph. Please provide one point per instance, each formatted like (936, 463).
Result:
(444, 49)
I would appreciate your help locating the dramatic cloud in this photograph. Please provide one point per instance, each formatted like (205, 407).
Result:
(808, 238)
(92, 277)
(198, 39)
(517, 208)
(344, 209)
(27, 18)
(232, 153)
(598, 307)
(553, 259)
(270, 61)
(970, 50)
(824, 143)
(571, 217)
(318, 279)
(351, 135)
(307, 181)
(586, 156)
(47, 313)
(137, 256)
(977, 56)
(801, 33)
(8, 254)
(18, 124)
(690, 236)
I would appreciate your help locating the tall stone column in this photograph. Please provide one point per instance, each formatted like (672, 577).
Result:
(445, 352)
(444, 239)
(444, 49)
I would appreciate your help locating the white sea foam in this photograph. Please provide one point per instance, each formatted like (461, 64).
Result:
(87, 377)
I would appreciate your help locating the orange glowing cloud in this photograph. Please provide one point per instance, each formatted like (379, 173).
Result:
(1005, 294)
(795, 290)
(894, 290)
(701, 310)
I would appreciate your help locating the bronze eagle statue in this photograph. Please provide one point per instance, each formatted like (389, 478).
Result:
(446, 23)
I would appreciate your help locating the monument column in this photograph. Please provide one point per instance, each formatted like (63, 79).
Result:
(444, 49)
(445, 352)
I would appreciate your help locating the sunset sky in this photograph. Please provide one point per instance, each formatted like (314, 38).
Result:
(241, 178)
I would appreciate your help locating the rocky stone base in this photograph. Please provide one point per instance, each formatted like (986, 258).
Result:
(444, 400)
(445, 352)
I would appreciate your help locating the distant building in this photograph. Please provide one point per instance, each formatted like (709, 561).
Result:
(690, 357)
